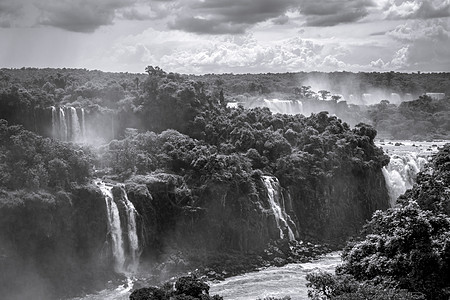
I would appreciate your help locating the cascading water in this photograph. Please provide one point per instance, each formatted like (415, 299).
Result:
(83, 125)
(75, 125)
(281, 216)
(62, 125)
(125, 259)
(66, 125)
(401, 173)
(284, 106)
(132, 231)
(54, 122)
(407, 160)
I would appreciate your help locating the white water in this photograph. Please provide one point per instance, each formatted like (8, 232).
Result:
(407, 160)
(289, 280)
(133, 239)
(83, 125)
(271, 184)
(54, 122)
(126, 260)
(284, 106)
(75, 128)
(62, 124)
(67, 126)
(114, 227)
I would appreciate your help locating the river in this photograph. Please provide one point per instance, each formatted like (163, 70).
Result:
(289, 280)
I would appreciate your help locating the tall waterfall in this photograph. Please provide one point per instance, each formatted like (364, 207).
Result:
(55, 127)
(75, 125)
(66, 124)
(124, 238)
(62, 125)
(281, 217)
(132, 231)
(83, 125)
(284, 106)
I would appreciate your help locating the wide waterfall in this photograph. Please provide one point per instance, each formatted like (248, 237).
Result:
(290, 107)
(401, 173)
(407, 160)
(124, 237)
(275, 200)
(67, 125)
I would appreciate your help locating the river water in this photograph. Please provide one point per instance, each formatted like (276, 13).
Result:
(289, 280)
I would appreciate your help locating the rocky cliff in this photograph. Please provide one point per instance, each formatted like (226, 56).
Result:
(53, 244)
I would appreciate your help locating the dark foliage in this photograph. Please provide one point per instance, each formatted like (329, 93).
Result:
(31, 161)
(185, 288)
(406, 248)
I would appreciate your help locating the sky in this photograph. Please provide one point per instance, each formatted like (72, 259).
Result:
(227, 36)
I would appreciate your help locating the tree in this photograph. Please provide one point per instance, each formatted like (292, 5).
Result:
(324, 94)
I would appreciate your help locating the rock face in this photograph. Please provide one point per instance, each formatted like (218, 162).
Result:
(52, 244)
(222, 217)
(62, 243)
(335, 209)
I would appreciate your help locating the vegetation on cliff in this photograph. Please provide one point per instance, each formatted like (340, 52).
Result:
(33, 162)
(405, 250)
(421, 119)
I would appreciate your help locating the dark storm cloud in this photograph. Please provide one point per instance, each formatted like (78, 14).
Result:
(134, 14)
(202, 26)
(80, 16)
(330, 13)
(232, 16)
(235, 16)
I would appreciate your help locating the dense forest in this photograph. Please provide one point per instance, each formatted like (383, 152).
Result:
(203, 177)
(404, 252)
(373, 98)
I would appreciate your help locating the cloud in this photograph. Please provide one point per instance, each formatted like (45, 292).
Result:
(330, 13)
(426, 46)
(228, 17)
(204, 26)
(9, 12)
(417, 9)
(186, 53)
(281, 20)
(80, 15)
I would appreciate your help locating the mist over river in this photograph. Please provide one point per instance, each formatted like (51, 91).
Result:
(289, 280)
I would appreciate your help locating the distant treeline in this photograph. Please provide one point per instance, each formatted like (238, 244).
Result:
(130, 98)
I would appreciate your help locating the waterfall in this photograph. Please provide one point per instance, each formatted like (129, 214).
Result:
(62, 125)
(66, 125)
(75, 125)
(401, 172)
(281, 216)
(55, 128)
(125, 241)
(290, 107)
(83, 125)
(132, 231)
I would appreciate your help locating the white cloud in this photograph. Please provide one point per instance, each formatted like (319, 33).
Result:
(186, 53)
(417, 9)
